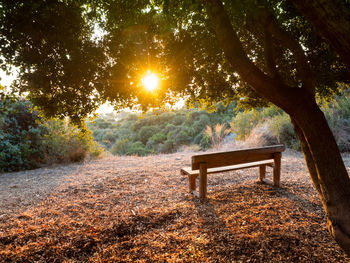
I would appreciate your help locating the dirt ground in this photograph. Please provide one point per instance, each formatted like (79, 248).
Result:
(138, 209)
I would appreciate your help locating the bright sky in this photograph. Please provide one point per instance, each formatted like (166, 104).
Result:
(150, 81)
(6, 81)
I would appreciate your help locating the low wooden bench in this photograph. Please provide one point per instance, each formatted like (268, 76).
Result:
(217, 162)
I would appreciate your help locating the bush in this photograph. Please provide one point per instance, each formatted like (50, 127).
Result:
(217, 135)
(338, 116)
(20, 133)
(138, 148)
(27, 140)
(167, 147)
(158, 131)
(281, 127)
(146, 132)
(243, 123)
(261, 136)
(205, 142)
(65, 142)
(121, 146)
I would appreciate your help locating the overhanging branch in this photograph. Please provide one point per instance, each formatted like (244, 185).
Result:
(287, 40)
(284, 96)
(269, 56)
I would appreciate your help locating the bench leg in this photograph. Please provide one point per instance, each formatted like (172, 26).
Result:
(277, 169)
(192, 183)
(202, 180)
(262, 173)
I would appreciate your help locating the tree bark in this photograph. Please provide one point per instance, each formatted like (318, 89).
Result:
(332, 20)
(321, 152)
(327, 170)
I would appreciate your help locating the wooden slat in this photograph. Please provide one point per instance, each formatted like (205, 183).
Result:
(219, 159)
(189, 171)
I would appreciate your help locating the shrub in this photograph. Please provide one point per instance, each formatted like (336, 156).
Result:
(179, 119)
(108, 138)
(65, 142)
(121, 146)
(261, 136)
(167, 147)
(20, 135)
(138, 148)
(217, 135)
(27, 140)
(159, 131)
(96, 150)
(281, 127)
(205, 142)
(146, 132)
(159, 137)
(243, 123)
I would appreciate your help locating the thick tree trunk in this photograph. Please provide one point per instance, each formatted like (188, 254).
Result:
(326, 168)
(321, 152)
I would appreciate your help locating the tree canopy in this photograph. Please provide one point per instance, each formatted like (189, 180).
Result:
(74, 55)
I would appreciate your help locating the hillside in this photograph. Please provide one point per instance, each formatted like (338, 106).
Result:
(129, 209)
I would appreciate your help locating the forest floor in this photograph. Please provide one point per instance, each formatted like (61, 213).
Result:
(138, 209)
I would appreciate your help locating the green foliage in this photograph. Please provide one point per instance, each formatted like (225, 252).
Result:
(217, 135)
(337, 113)
(27, 140)
(20, 133)
(64, 142)
(137, 148)
(281, 127)
(159, 131)
(120, 147)
(244, 122)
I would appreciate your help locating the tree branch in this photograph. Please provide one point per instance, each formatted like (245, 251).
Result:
(282, 95)
(286, 39)
(331, 19)
(269, 56)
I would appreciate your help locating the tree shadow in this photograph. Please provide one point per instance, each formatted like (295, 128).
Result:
(242, 239)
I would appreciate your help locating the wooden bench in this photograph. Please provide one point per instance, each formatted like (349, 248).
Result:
(217, 162)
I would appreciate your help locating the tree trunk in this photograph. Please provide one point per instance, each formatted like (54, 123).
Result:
(321, 152)
(326, 169)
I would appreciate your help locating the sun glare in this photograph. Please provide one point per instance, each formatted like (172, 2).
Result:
(150, 81)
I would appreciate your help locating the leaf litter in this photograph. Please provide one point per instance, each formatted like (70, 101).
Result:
(138, 209)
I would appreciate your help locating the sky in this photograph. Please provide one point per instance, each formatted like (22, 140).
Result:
(6, 81)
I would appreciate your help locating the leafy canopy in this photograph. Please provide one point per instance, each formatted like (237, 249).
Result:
(74, 55)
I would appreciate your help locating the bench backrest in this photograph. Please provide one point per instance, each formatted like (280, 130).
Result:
(218, 159)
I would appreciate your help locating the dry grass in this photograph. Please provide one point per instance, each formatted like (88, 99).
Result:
(217, 135)
(137, 209)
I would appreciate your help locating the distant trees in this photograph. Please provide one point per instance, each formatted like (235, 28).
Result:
(160, 131)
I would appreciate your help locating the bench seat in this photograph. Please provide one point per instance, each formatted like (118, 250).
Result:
(217, 162)
(189, 171)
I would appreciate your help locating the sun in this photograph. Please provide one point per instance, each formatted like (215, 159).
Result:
(150, 81)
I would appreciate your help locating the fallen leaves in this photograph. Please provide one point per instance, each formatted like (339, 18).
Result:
(137, 209)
